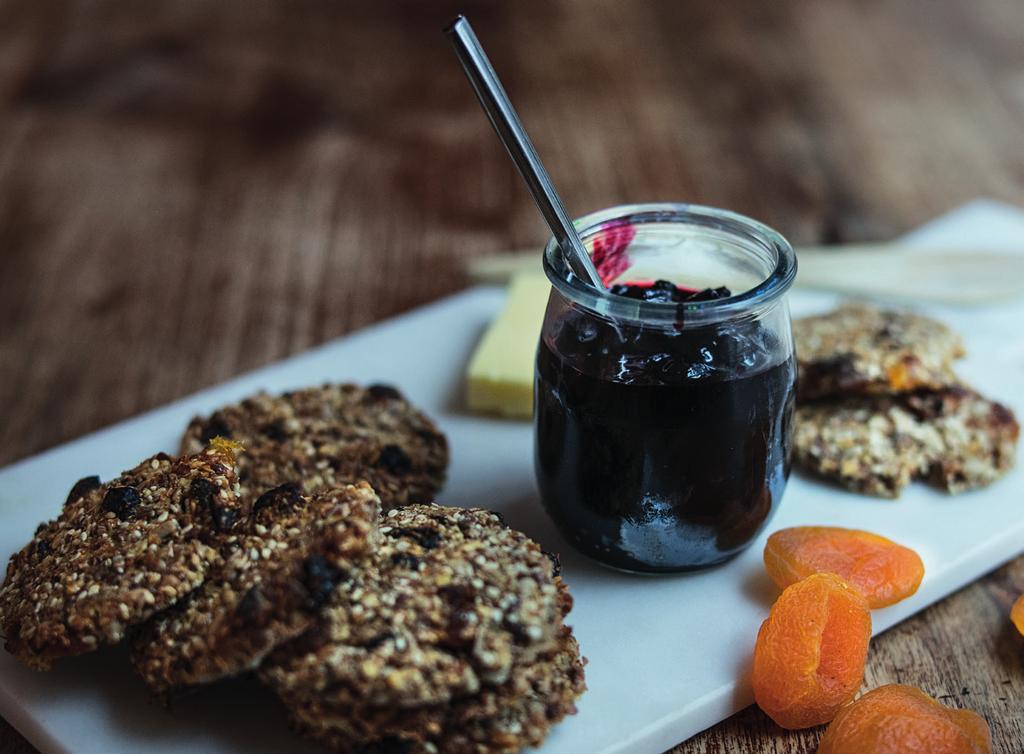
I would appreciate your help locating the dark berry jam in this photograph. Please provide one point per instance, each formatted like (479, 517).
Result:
(667, 292)
(661, 449)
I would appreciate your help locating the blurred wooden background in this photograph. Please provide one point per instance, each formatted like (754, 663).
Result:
(192, 189)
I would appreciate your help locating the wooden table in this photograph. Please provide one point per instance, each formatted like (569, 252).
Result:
(192, 189)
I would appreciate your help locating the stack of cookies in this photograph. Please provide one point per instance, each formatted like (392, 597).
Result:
(879, 404)
(293, 540)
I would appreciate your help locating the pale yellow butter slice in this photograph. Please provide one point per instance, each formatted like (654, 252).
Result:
(500, 374)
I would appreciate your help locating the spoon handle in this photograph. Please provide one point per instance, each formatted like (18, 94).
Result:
(510, 130)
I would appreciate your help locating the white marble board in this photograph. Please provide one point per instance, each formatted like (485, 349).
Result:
(668, 656)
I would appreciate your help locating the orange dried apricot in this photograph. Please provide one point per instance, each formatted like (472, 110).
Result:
(883, 571)
(810, 651)
(1017, 614)
(899, 719)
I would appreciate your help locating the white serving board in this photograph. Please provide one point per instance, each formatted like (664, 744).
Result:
(669, 656)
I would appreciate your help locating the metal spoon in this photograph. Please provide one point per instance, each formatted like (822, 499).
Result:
(512, 134)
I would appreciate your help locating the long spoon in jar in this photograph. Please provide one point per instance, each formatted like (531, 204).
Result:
(510, 130)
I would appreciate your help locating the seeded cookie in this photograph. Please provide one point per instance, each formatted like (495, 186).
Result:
(118, 553)
(275, 577)
(451, 605)
(499, 719)
(330, 436)
(978, 438)
(861, 349)
(954, 438)
(449, 600)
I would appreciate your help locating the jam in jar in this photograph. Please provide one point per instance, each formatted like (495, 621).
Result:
(663, 405)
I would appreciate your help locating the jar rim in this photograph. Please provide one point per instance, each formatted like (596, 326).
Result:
(694, 314)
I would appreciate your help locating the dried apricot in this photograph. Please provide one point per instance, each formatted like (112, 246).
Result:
(810, 651)
(1017, 614)
(899, 719)
(883, 571)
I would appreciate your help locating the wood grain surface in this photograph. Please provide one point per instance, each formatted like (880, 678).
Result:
(193, 189)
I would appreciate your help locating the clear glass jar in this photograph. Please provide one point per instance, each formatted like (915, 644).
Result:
(663, 435)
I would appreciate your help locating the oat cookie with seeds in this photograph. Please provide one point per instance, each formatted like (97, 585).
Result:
(118, 553)
(329, 436)
(863, 349)
(498, 720)
(451, 604)
(275, 576)
(954, 438)
(450, 599)
(978, 438)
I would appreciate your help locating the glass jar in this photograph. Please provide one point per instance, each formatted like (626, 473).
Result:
(663, 430)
